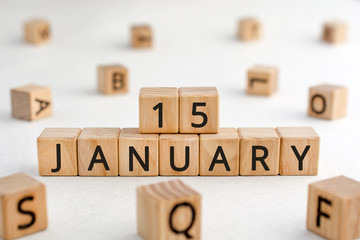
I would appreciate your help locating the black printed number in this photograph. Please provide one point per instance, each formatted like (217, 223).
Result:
(199, 113)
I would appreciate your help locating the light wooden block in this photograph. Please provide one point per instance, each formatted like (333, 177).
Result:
(333, 208)
(334, 32)
(138, 153)
(328, 101)
(22, 206)
(168, 211)
(259, 151)
(159, 110)
(98, 152)
(249, 29)
(179, 154)
(199, 110)
(219, 153)
(262, 80)
(113, 79)
(37, 31)
(141, 36)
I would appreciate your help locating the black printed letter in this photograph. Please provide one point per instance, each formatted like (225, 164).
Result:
(58, 159)
(261, 159)
(319, 212)
(32, 214)
(300, 158)
(133, 152)
(185, 231)
(187, 159)
(223, 160)
(102, 159)
(323, 104)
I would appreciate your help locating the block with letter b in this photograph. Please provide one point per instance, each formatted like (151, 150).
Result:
(249, 29)
(112, 79)
(141, 36)
(37, 31)
(262, 80)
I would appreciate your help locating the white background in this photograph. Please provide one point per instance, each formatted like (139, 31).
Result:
(195, 45)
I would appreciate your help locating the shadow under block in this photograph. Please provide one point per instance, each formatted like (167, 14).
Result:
(328, 101)
(259, 151)
(22, 206)
(249, 29)
(299, 150)
(199, 110)
(37, 31)
(57, 151)
(168, 211)
(112, 79)
(262, 80)
(98, 152)
(333, 208)
(138, 153)
(334, 32)
(159, 110)
(141, 36)
(31, 102)
(179, 154)
(219, 153)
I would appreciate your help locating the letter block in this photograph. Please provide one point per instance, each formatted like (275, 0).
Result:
(334, 32)
(98, 152)
(333, 208)
(249, 29)
(57, 151)
(262, 80)
(31, 102)
(199, 110)
(299, 150)
(328, 101)
(159, 110)
(36, 31)
(179, 154)
(112, 79)
(168, 211)
(141, 36)
(219, 153)
(138, 153)
(259, 151)
(22, 206)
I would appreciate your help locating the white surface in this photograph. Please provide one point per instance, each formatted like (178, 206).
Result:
(195, 44)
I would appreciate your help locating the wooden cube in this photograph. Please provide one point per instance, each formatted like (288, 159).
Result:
(299, 150)
(168, 211)
(328, 101)
(112, 79)
(249, 29)
(179, 154)
(259, 151)
(138, 153)
(199, 110)
(334, 32)
(333, 208)
(57, 151)
(141, 36)
(22, 206)
(219, 153)
(262, 80)
(159, 110)
(98, 152)
(31, 102)
(37, 31)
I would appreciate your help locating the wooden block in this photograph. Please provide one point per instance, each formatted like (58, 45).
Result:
(334, 32)
(249, 29)
(168, 211)
(259, 151)
(333, 208)
(98, 152)
(31, 102)
(179, 154)
(138, 153)
(299, 150)
(262, 80)
(199, 110)
(159, 110)
(141, 36)
(37, 31)
(328, 101)
(57, 151)
(219, 153)
(22, 206)
(112, 79)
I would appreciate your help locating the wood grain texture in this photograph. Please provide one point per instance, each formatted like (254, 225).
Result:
(249, 29)
(334, 32)
(37, 31)
(113, 79)
(262, 80)
(141, 36)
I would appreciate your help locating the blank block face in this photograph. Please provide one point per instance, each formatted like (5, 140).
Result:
(299, 150)
(262, 80)
(168, 211)
(22, 206)
(219, 153)
(57, 151)
(98, 152)
(37, 31)
(138, 153)
(179, 154)
(334, 208)
(334, 32)
(112, 79)
(141, 36)
(259, 151)
(199, 110)
(31, 102)
(249, 29)
(328, 101)
(159, 110)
